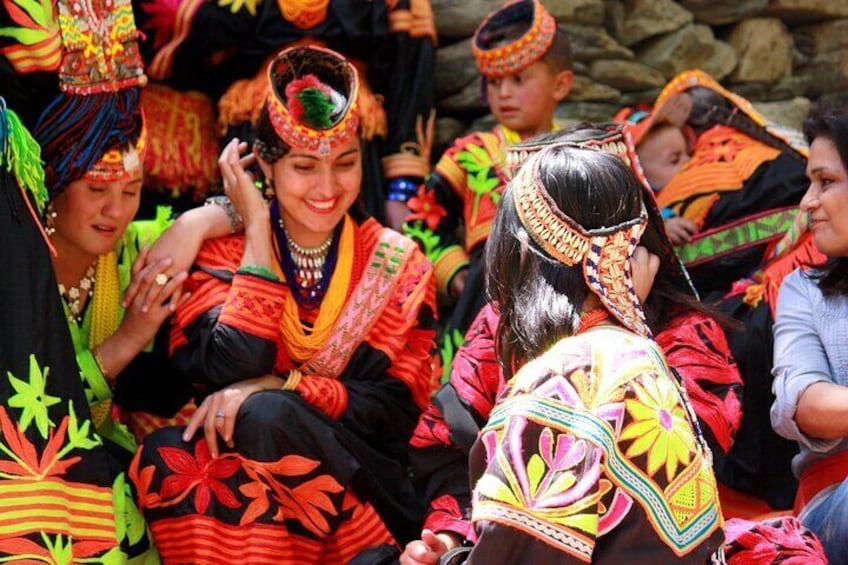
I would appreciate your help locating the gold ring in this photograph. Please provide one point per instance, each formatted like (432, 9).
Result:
(161, 279)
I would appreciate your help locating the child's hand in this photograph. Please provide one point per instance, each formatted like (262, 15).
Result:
(457, 284)
(429, 549)
(680, 230)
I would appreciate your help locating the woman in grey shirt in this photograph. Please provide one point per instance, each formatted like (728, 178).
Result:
(811, 342)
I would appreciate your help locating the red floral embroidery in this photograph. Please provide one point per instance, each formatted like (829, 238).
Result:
(303, 503)
(425, 207)
(476, 374)
(200, 471)
(30, 464)
(431, 429)
(446, 514)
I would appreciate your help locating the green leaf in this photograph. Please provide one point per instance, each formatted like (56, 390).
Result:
(32, 398)
(23, 35)
(80, 436)
(493, 488)
(562, 483)
(480, 154)
(136, 527)
(535, 472)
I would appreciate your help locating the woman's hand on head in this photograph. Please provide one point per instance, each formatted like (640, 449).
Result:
(644, 266)
(429, 549)
(218, 412)
(239, 184)
(151, 298)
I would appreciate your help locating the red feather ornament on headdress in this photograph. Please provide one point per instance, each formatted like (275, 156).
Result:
(298, 92)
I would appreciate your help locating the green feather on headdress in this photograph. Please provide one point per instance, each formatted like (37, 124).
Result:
(317, 107)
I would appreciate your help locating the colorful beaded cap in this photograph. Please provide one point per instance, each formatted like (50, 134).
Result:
(604, 253)
(313, 101)
(119, 164)
(497, 59)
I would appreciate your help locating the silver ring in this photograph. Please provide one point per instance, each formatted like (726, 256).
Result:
(161, 279)
(219, 414)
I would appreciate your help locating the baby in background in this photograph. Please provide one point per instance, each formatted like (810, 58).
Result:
(663, 149)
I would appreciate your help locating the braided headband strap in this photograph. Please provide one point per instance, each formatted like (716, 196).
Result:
(515, 56)
(297, 61)
(603, 253)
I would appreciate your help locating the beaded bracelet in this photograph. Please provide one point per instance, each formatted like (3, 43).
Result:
(401, 189)
(293, 379)
(236, 221)
(258, 271)
(98, 359)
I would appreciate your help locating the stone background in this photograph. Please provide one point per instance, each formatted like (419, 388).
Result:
(780, 54)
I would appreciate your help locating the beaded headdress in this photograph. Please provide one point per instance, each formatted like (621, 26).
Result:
(496, 58)
(313, 100)
(604, 254)
(92, 46)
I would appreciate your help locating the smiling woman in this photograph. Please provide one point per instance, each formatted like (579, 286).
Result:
(312, 336)
(810, 349)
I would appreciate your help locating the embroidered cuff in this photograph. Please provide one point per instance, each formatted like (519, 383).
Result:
(257, 271)
(254, 305)
(327, 395)
(447, 265)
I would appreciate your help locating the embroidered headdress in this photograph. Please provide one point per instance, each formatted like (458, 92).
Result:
(603, 254)
(313, 99)
(499, 56)
(613, 138)
(758, 127)
(92, 46)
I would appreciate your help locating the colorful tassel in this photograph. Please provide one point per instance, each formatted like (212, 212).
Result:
(21, 156)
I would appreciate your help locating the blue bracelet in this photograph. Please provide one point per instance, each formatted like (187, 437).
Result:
(401, 189)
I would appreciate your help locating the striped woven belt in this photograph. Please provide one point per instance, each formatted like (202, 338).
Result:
(750, 231)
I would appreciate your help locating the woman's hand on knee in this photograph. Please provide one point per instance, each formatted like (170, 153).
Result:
(218, 412)
(429, 549)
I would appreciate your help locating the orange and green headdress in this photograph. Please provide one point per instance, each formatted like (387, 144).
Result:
(513, 38)
(93, 48)
(313, 98)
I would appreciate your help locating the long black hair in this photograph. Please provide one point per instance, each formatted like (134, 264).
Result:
(830, 120)
(539, 298)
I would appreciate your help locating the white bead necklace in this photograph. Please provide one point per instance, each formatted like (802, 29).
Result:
(73, 294)
(308, 260)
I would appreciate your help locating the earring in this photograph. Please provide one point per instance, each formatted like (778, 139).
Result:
(269, 188)
(49, 220)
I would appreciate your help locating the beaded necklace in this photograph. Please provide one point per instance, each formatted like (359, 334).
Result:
(307, 270)
(73, 295)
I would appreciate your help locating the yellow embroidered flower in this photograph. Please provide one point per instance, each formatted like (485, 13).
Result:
(660, 427)
(236, 5)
